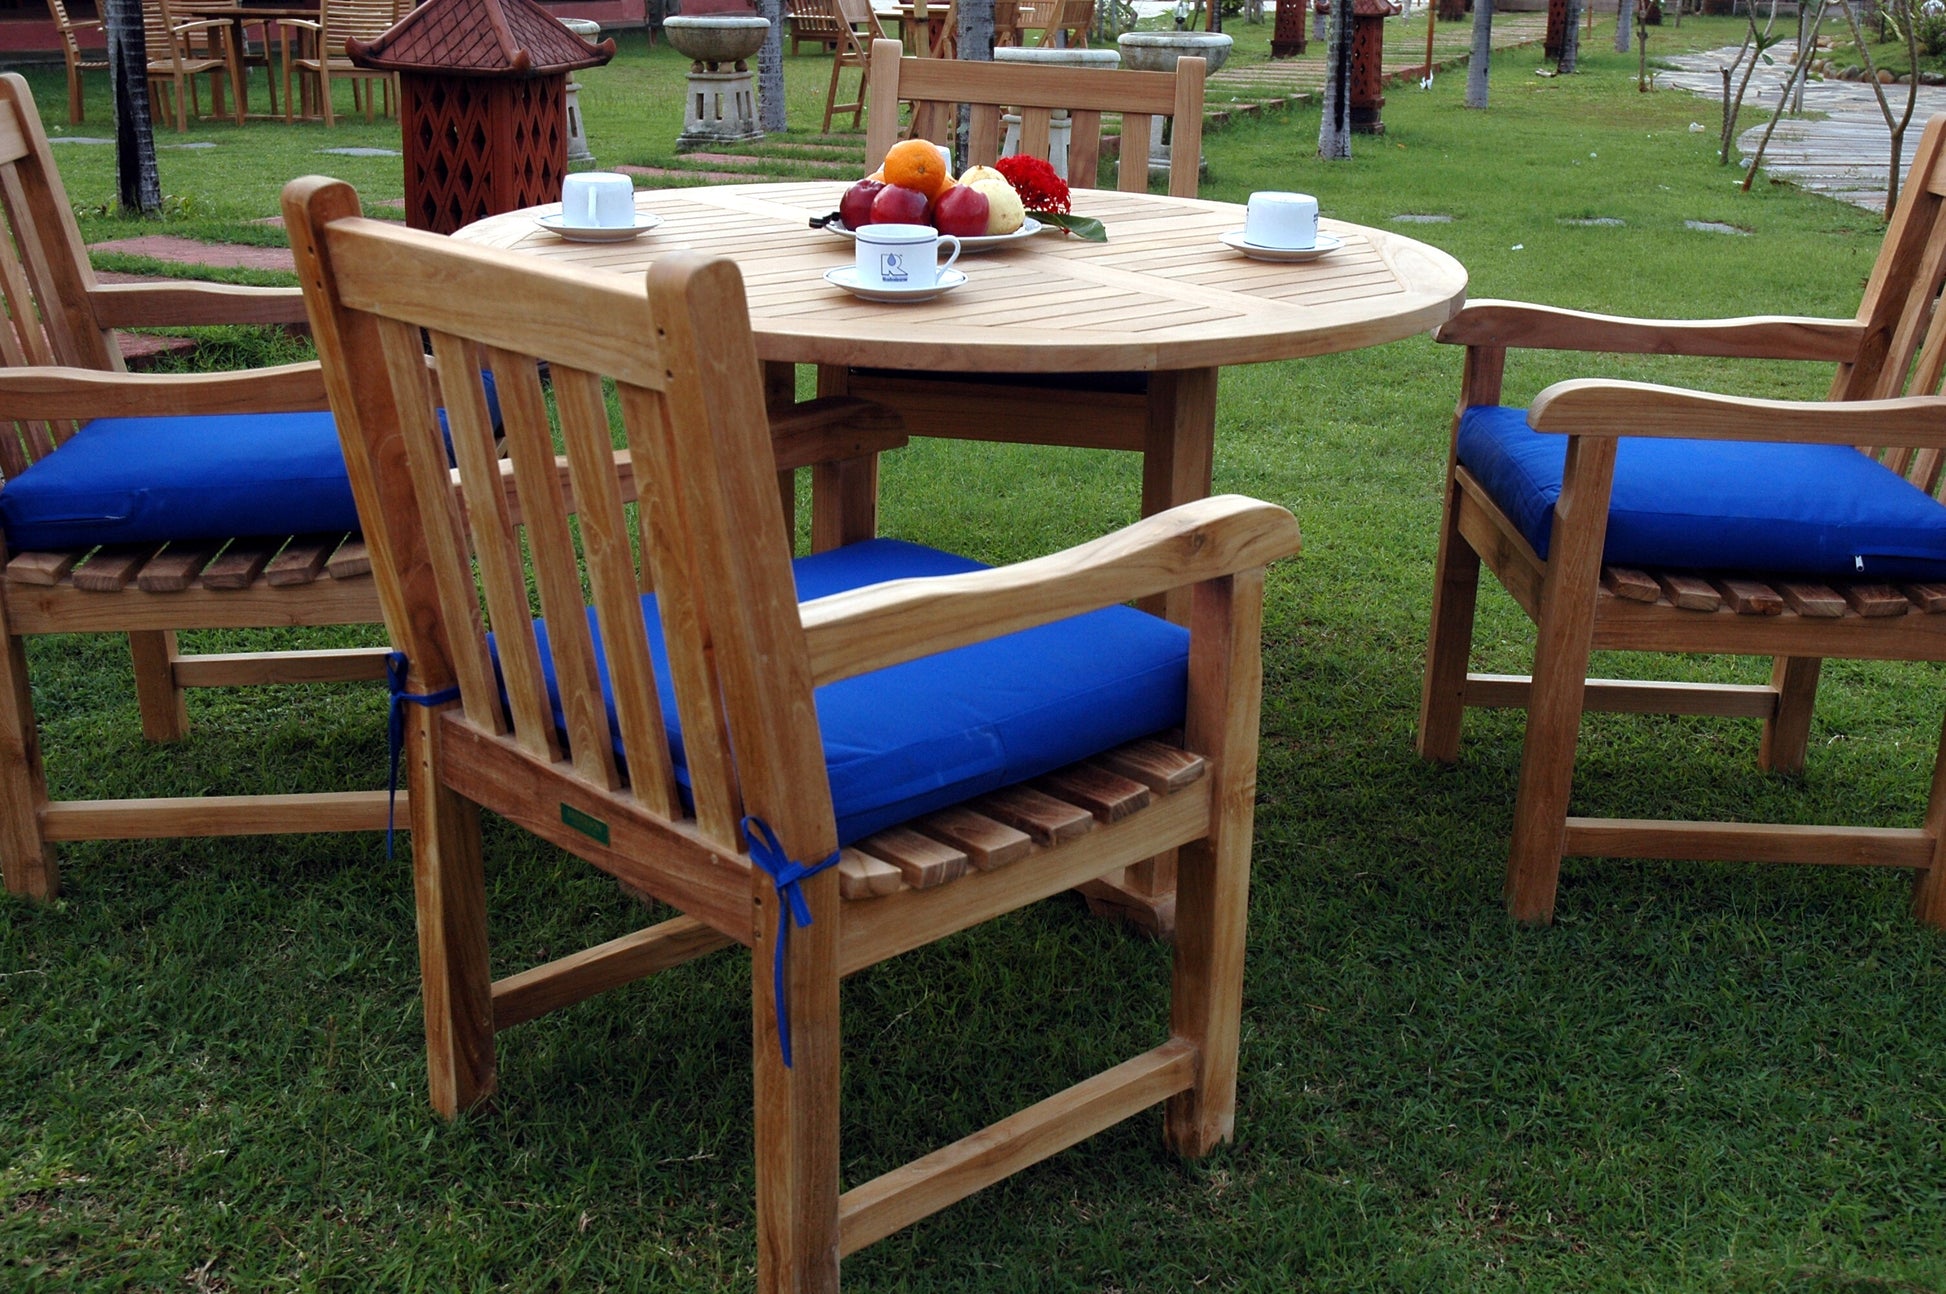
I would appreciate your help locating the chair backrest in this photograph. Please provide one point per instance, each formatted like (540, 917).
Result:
(364, 20)
(1902, 353)
(69, 44)
(45, 278)
(857, 18)
(813, 19)
(1066, 19)
(1035, 92)
(701, 523)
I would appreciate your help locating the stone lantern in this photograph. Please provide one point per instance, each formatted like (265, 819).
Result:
(1287, 37)
(483, 105)
(1367, 60)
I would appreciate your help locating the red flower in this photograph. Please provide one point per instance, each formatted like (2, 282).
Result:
(1040, 189)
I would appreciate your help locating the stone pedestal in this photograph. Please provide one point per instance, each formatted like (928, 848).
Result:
(1157, 51)
(720, 105)
(1060, 129)
(579, 158)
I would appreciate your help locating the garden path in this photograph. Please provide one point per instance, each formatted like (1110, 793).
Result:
(1841, 152)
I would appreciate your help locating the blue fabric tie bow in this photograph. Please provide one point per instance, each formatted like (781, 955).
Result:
(768, 854)
(395, 668)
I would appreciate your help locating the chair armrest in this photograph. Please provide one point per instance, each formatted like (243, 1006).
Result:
(1515, 324)
(870, 628)
(56, 394)
(190, 304)
(1594, 407)
(833, 428)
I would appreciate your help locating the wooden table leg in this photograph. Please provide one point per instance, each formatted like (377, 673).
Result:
(1176, 468)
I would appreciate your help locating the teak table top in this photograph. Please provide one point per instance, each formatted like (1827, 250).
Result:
(1162, 293)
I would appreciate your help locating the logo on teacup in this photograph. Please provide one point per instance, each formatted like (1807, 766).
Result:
(891, 267)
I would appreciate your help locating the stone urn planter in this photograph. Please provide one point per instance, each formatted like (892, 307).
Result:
(1060, 128)
(721, 105)
(1158, 51)
(579, 157)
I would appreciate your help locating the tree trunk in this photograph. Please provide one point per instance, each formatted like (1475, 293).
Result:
(976, 42)
(770, 70)
(1476, 63)
(1334, 130)
(137, 181)
(1570, 40)
(1623, 20)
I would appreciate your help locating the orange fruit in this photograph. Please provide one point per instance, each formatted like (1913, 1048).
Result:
(916, 164)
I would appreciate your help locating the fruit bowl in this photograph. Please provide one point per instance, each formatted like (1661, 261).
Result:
(970, 243)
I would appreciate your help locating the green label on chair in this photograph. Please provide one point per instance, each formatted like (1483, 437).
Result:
(586, 824)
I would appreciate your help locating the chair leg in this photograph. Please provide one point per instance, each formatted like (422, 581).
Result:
(449, 885)
(797, 1106)
(75, 107)
(1787, 733)
(27, 861)
(1213, 874)
(1929, 887)
(1449, 644)
(165, 714)
(1562, 644)
(831, 94)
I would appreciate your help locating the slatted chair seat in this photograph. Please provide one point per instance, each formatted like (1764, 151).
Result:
(1632, 517)
(721, 743)
(215, 565)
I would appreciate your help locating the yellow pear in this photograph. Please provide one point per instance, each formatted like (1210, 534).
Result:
(973, 173)
(1004, 212)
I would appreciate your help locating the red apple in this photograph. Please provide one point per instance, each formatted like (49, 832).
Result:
(893, 205)
(855, 208)
(961, 211)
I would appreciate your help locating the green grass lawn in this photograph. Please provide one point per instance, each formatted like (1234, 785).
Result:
(1701, 1078)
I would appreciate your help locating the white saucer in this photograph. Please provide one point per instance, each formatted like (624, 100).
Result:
(599, 233)
(968, 244)
(1256, 251)
(846, 277)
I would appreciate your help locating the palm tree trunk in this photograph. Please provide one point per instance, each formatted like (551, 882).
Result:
(770, 70)
(1334, 130)
(138, 183)
(1476, 63)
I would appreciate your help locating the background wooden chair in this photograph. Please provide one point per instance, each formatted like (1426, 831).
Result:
(314, 55)
(1796, 547)
(858, 30)
(815, 21)
(77, 61)
(59, 315)
(580, 752)
(180, 50)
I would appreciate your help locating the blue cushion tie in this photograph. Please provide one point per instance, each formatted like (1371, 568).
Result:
(395, 666)
(770, 855)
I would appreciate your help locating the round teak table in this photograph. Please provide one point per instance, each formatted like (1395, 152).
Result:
(1051, 340)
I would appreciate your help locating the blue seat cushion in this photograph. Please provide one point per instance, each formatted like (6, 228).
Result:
(928, 733)
(1814, 510)
(136, 480)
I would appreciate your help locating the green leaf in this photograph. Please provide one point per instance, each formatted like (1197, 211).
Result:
(1080, 226)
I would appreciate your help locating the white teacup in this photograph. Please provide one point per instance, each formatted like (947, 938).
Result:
(902, 256)
(1284, 220)
(598, 200)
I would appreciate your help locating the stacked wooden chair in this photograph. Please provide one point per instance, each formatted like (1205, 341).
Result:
(829, 783)
(815, 21)
(120, 502)
(1625, 516)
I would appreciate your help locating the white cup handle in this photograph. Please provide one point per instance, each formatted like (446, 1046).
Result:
(948, 238)
(594, 214)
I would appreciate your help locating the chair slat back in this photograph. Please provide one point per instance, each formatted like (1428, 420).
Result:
(936, 86)
(344, 19)
(1902, 351)
(45, 279)
(672, 377)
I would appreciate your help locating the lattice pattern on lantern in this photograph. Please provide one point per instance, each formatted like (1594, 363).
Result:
(475, 147)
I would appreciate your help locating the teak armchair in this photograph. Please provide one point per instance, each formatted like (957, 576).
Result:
(812, 20)
(787, 775)
(182, 49)
(87, 513)
(77, 60)
(338, 21)
(1625, 516)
